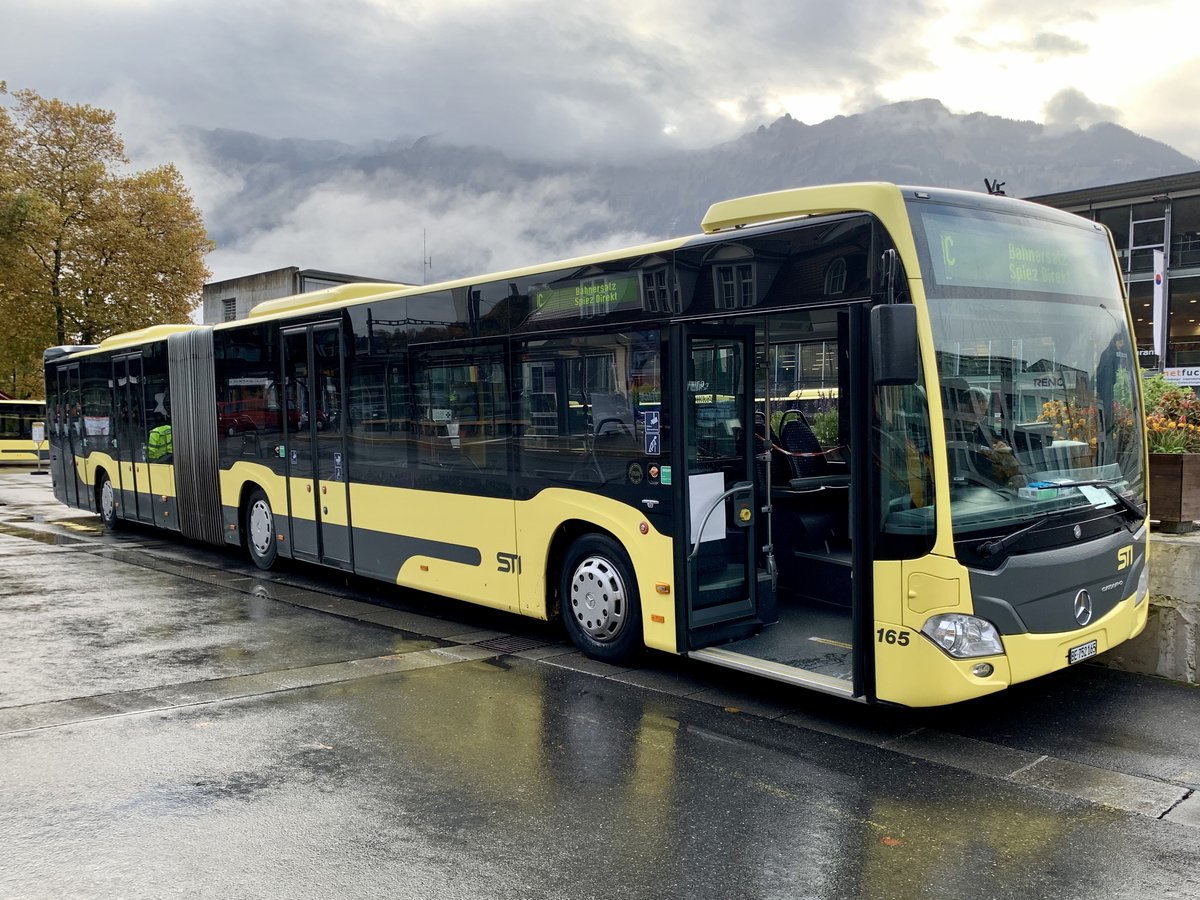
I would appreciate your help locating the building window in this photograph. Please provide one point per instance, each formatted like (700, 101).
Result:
(1147, 234)
(1185, 233)
(656, 295)
(835, 276)
(229, 309)
(1116, 220)
(735, 286)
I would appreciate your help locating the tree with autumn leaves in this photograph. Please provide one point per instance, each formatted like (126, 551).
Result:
(87, 248)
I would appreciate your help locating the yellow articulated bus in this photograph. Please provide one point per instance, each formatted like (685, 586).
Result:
(18, 419)
(600, 439)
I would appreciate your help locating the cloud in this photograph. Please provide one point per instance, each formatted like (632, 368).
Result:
(1070, 107)
(1049, 45)
(1043, 46)
(604, 79)
(367, 226)
(1166, 108)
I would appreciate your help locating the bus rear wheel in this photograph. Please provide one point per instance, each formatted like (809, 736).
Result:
(106, 502)
(598, 598)
(260, 530)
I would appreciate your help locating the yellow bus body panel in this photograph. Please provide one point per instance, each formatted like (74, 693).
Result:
(1033, 655)
(484, 523)
(651, 554)
(162, 479)
(18, 450)
(234, 480)
(919, 674)
(497, 528)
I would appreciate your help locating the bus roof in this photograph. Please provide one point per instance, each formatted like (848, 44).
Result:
(342, 293)
(331, 299)
(868, 196)
(142, 335)
(882, 199)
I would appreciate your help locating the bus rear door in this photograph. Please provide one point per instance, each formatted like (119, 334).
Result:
(68, 442)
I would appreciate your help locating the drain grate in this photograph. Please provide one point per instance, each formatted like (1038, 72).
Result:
(512, 643)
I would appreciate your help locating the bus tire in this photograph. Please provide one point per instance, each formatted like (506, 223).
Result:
(106, 501)
(260, 530)
(598, 599)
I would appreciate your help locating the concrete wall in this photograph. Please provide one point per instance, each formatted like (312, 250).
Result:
(248, 292)
(1168, 646)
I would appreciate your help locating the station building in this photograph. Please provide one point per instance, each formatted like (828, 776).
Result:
(225, 301)
(1144, 216)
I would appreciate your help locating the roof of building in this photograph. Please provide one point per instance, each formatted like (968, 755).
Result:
(1146, 188)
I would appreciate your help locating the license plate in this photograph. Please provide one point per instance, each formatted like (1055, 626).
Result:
(1080, 653)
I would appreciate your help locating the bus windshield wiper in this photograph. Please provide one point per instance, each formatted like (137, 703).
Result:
(1128, 505)
(988, 549)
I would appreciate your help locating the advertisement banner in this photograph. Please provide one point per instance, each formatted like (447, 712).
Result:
(1159, 308)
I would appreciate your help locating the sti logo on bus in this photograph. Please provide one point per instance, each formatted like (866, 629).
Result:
(509, 562)
(1124, 558)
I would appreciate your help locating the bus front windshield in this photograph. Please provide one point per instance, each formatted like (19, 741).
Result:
(1036, 372)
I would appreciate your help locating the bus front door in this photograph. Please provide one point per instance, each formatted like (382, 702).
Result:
(132, 466)
(318, 479)
(714, 395)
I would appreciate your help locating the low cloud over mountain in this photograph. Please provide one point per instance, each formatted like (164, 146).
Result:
(376, 209)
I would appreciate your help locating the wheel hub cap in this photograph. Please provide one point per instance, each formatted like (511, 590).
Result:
(260, 527)
(598, 599)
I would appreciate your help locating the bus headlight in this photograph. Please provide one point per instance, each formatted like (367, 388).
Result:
(963, 636)
(1143, 586)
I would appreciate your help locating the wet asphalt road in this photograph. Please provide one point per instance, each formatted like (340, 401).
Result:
(174, 724)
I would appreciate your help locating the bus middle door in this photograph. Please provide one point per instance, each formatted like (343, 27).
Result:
(318, 488)
(136, 499)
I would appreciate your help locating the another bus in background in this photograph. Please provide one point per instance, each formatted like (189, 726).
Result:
(17, 437)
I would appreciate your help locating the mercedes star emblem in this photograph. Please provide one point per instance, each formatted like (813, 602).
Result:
(1083, 607)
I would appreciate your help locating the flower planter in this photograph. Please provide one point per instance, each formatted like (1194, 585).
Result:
(1175, 490)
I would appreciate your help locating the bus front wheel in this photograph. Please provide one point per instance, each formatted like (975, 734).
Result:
(260, 530)
(106, 501)
(598, 597)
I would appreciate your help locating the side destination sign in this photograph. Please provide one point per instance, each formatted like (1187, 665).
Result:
(586, 298)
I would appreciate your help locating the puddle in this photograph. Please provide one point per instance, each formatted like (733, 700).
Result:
(42, 537)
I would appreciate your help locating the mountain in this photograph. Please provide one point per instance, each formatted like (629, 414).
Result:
(554, 208)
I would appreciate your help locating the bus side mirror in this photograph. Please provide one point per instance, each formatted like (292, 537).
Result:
(894, 353)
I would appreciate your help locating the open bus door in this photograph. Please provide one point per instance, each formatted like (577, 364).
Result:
(714, 399)
(811, 585)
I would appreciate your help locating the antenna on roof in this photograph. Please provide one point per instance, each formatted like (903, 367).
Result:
(994, 187)
(426, 260)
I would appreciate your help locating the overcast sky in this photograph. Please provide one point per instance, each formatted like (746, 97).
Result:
(605, 78)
